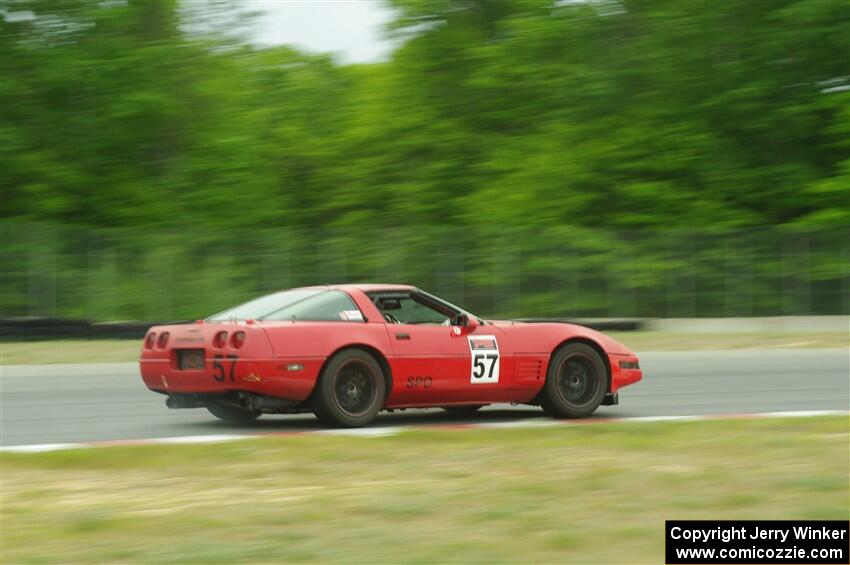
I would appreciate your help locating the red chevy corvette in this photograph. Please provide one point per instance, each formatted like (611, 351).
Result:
(346, 352)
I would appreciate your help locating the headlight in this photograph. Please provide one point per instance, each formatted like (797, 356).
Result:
(629, 365)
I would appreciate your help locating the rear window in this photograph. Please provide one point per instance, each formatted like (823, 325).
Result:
(263, 306)
(327, 306)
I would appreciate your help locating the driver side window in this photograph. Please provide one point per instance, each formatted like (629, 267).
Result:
(402, 309)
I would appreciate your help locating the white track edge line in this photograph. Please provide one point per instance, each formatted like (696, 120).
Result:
(395, 430)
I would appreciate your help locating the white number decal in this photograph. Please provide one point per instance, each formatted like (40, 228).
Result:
(485, 359)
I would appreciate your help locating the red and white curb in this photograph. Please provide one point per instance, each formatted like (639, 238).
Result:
(395, 430)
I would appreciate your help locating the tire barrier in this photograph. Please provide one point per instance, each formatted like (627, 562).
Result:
(602, 325)
(57, 328)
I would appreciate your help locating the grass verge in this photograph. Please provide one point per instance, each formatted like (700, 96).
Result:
(591, 494)
(105, 350)
(69, 351)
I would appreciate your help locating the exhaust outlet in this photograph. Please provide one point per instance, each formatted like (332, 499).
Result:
(269, 404)
(177, 401)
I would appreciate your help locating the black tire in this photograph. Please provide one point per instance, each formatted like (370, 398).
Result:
(576, 382)
(463, 410)
(351, 390)
(233, 414)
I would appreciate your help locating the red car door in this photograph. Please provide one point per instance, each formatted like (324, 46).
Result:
(449, 364)
(428, 364)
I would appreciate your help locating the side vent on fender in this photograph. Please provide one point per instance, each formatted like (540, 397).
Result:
(530, 369)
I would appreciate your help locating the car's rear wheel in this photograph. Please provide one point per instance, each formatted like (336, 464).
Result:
(350, 391)
(230, 413)
(467, 410)
(576, 382)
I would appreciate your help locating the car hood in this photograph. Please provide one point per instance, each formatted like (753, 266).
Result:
(570, 330)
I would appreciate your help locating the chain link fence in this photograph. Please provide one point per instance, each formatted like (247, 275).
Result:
(125, 274)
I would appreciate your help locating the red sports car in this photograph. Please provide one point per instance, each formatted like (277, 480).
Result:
(345, 352)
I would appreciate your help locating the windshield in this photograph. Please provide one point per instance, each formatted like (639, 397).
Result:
(450, 306)
(265, 305)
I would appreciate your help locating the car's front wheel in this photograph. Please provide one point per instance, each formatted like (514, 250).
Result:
(576, 382)
(230, 413)
(351, 390)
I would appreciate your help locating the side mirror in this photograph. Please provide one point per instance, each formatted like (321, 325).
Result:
(468, 323)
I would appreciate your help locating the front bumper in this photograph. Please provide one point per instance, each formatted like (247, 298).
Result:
(625, 370)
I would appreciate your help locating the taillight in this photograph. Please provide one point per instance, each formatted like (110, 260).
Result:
(150, 340)
(237, 340)
(219, 340)
(163, 340)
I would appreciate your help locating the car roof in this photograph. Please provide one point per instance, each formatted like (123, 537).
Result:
(366, 287)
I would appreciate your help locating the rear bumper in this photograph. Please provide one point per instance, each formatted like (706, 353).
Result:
(623, 375)
(281, 378)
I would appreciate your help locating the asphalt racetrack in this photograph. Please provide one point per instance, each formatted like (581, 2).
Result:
(42, 404)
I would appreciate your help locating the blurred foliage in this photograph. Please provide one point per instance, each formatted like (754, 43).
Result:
(522, 157)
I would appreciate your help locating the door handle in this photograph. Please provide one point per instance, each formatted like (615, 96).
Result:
(402, 336)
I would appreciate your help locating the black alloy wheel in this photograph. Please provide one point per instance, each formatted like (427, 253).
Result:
(351, 390)
(354, 387)
(576, 382)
